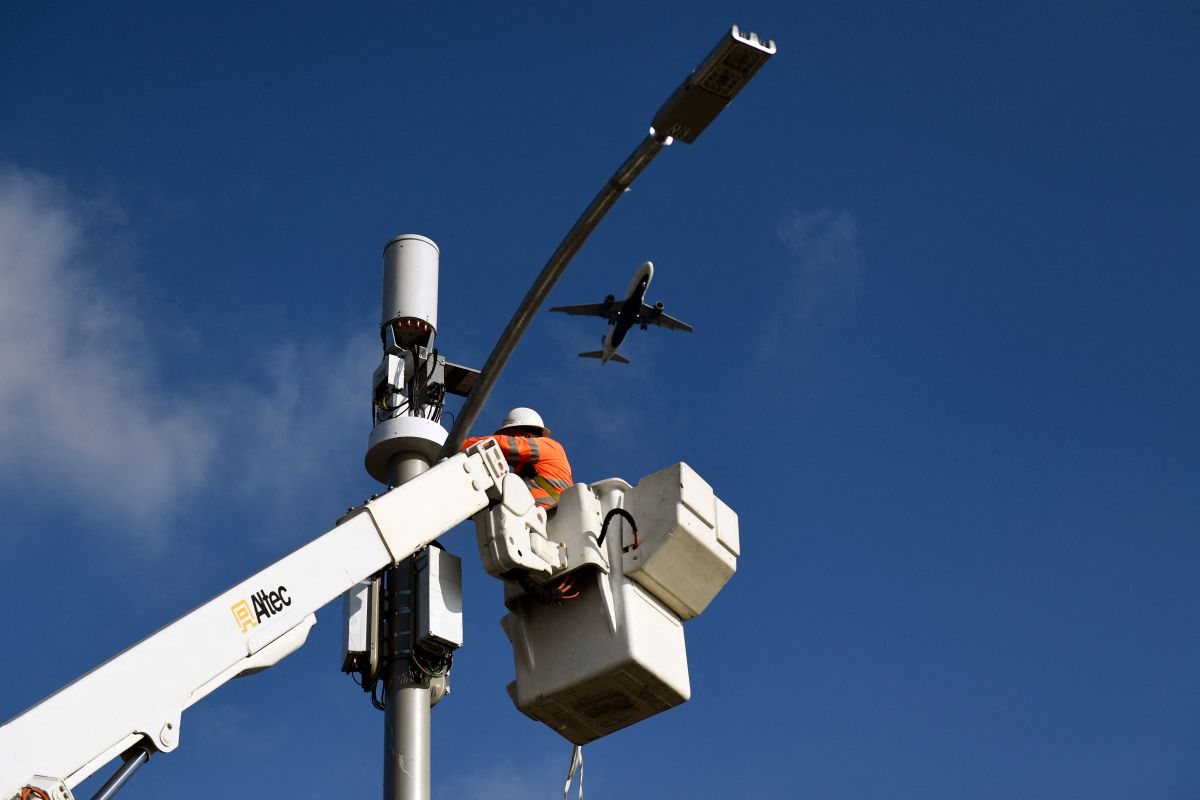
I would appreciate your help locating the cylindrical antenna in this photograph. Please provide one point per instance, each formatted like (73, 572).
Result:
(410, 289)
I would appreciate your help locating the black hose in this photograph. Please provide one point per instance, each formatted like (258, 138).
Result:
(616, 512)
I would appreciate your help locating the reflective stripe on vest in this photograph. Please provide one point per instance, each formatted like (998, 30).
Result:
(547, 487)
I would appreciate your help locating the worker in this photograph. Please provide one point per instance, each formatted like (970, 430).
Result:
(532, 454)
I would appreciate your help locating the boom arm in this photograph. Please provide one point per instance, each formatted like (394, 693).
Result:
(141, 693)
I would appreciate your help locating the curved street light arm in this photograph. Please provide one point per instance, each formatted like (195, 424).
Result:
(605, 200)
(686, 113)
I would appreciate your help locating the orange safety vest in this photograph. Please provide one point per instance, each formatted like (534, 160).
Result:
(539, 460)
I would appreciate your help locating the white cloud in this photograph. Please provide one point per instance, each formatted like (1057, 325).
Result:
(80, 406)
(509, 781)
(287, 436)
(823, 262)
(85, 407)
(825, 257)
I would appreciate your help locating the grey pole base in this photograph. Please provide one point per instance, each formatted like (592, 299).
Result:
(406, 775)
(406, 704)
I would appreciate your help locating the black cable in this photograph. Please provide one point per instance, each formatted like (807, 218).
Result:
(442, 668)
(441, 403)
(617, 512)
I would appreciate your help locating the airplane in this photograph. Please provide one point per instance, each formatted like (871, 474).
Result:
(624, 314)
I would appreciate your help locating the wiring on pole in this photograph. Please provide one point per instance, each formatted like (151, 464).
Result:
(433, 672)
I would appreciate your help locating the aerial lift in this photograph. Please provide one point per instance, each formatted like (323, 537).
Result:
(620, 621)
(596, 589)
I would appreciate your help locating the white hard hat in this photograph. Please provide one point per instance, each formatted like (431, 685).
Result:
(524, 418)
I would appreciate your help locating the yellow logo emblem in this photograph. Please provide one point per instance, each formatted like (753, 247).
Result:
(242, 615)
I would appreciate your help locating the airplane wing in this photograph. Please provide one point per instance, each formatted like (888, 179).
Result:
(607, 310)
(653, 315)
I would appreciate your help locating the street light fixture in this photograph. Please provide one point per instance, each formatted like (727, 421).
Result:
(712, 86)
(687, 112)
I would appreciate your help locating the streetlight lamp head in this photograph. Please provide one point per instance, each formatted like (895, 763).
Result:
(711, 87)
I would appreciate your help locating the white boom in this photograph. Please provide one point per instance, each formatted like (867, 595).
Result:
(141, 693)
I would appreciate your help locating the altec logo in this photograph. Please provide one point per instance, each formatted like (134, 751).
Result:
(260, 606)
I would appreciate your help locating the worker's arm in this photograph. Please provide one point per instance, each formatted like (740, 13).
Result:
(518, 450)
(540, 460)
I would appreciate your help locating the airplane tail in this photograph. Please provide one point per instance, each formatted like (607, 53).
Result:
(600, 354)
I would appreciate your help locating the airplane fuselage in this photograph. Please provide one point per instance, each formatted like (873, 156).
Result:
(623, 314)
(635, 295)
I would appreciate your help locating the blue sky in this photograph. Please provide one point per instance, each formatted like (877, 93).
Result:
(942, 262)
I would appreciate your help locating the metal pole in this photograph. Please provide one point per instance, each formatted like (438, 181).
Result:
(605, 200)
(406, 708)
(401, 447)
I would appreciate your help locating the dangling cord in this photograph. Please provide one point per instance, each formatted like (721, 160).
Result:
(576, 764)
